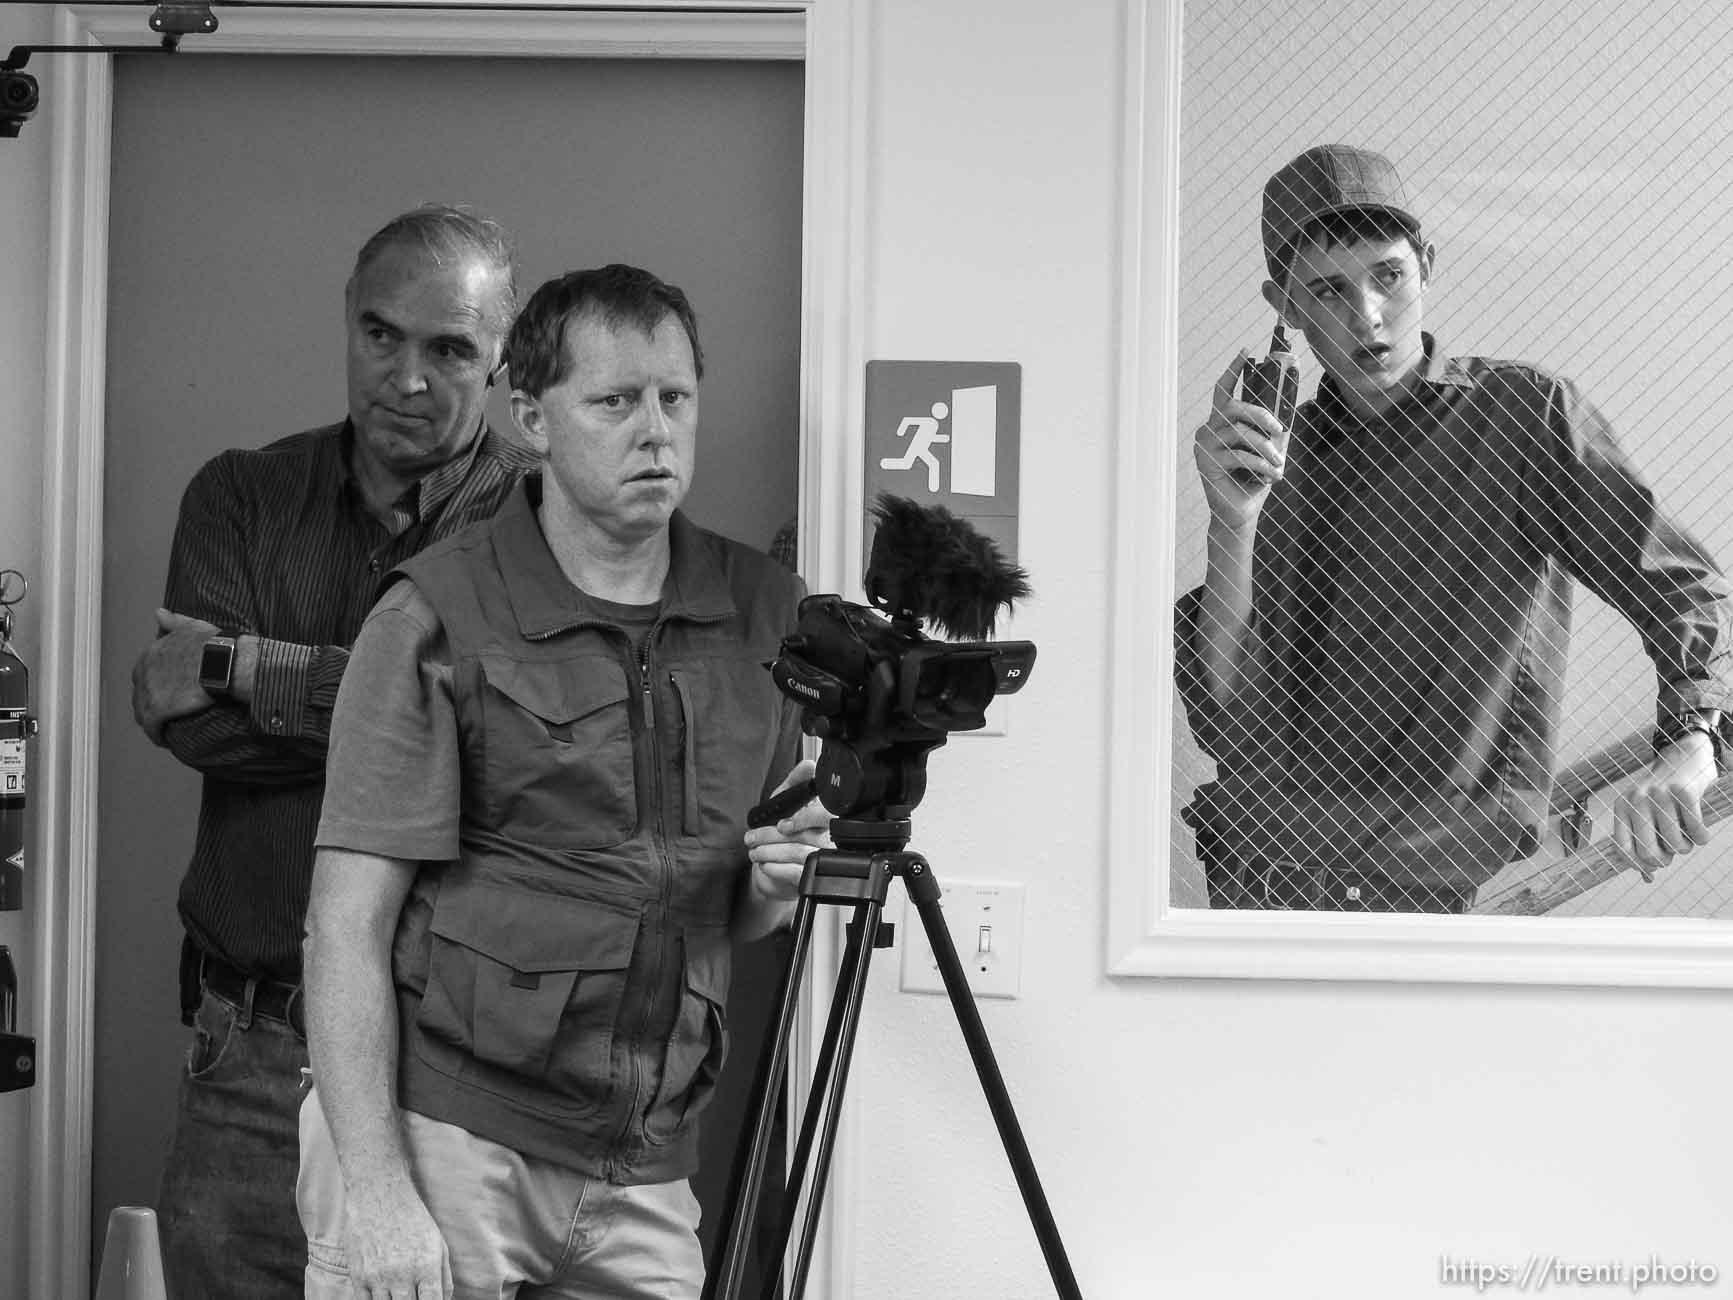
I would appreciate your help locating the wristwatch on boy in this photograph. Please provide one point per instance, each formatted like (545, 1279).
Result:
(1709, 722)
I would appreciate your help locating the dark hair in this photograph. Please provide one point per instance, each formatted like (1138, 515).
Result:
(442, 232)
(615, 295)
(1350, 226)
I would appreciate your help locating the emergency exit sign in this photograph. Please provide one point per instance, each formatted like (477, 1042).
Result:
(946, 433)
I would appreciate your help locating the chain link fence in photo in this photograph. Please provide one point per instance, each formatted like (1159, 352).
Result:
(1457, 631)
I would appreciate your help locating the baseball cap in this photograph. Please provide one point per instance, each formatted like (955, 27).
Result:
(1328, 178)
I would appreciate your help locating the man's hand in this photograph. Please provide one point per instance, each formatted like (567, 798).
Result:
(779, 852)
(1241, 451)
(165, 679)
(1662, 814)
(393, 1247)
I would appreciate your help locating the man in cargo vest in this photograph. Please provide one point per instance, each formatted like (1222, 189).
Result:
(532, 855)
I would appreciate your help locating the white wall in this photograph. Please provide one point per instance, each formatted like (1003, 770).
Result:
(1197, 1139)
(24, 294)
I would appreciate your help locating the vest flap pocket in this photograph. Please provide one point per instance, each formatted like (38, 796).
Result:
(552, 761)
(699, 1042)
(531, 932)
(709, 964)
(555, 692)
(528, 986)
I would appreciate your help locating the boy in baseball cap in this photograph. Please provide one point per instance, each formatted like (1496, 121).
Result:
(1376, 656)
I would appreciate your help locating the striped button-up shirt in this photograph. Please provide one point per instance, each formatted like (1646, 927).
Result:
(1399, 705)
(278, 542)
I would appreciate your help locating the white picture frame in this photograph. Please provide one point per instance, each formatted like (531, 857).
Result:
(1148, 934)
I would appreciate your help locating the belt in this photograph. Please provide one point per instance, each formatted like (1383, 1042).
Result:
(272, 999)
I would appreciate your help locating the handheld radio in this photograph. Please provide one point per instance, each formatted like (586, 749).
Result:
(1274, 382)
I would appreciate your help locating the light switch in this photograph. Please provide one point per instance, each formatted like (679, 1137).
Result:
(985, 922)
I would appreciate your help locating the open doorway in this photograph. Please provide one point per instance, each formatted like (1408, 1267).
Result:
(241, 188)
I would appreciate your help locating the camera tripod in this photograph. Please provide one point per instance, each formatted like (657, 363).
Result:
(857, 873)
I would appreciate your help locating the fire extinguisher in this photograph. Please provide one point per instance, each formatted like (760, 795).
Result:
(16, 728)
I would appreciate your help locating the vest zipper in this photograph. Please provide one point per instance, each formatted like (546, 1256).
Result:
(630, 1126)
(648, 681)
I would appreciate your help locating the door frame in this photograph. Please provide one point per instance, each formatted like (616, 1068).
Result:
(830, 36)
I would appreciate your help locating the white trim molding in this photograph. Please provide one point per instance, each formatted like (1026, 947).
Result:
(60, 1140)
(1139, 716)
(578, 30)
(1146, 934)
(828, 35)
(832, 457)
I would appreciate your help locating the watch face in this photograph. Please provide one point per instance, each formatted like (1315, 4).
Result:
(216, 665)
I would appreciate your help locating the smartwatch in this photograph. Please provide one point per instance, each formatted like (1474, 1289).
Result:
(217, 665)
(1709, 722)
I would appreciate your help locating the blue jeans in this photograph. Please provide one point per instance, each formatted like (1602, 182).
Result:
(514, 1225)
(226, 1208)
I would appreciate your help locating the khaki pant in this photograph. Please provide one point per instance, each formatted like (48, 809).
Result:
(513, 1225)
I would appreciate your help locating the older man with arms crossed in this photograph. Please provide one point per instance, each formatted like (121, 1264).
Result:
(277, 557)
(532, 857)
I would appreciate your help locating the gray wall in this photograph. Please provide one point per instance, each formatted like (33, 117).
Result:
(242, 187)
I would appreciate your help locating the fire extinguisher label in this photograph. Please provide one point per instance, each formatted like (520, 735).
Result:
(11, 767)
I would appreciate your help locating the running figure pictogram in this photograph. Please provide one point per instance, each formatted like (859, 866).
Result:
(923, 434)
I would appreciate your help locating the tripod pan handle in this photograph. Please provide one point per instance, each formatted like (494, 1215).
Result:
(778, 806)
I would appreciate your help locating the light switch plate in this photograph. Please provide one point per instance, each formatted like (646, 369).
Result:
(985, 919)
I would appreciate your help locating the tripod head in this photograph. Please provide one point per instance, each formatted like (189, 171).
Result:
(871, 793)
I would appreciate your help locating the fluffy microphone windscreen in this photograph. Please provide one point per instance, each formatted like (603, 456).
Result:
(928, 562)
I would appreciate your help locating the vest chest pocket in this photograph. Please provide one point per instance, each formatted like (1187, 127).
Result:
(523, 990)
(729, 712)
(556, 751)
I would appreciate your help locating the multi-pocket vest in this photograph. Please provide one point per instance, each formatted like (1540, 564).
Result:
(562, 985)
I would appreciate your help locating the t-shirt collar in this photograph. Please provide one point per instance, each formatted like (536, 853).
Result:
(544, 600)
(1437, 370)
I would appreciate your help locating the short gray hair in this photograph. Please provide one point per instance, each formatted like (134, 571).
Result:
(447, 231)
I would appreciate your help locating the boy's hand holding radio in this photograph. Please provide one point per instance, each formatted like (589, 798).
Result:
(1241, 450)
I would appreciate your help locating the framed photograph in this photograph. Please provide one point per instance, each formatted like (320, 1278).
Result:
(1564, 172)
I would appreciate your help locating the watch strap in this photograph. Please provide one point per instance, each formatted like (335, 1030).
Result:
(1708, 722)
